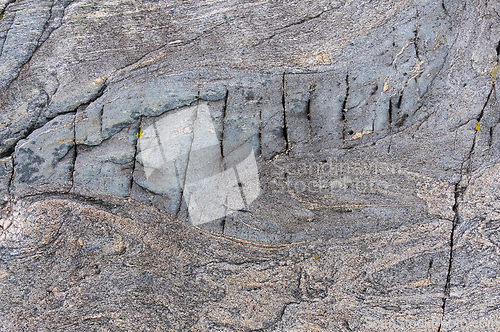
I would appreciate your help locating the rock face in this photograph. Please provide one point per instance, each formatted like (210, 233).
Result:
(249, 166)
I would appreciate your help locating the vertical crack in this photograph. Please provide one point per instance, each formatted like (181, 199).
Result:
(11, 177)
(134, 161)
(283, 104)
(224, 110)
(260, 131)
(390, 125)
(240, 186)
(223, 223)
(400, 100)
(183, 187)
(415, 42)
(429, 269)
(460, 189)
(344, 106)
(490, 139)
(443, 5)
(46, 26)
(74, 154)
(308, 114)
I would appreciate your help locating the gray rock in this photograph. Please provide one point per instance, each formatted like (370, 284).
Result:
(26, 26)
(89, 123)
(23, 106)
(271, 166)
(44, 161)
(108, 167)
(6, 172)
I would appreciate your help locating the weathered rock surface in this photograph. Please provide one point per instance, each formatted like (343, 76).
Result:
(249, 166)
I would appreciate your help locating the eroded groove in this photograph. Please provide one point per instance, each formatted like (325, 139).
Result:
(285, 125)
(344, 107)
(224, 110)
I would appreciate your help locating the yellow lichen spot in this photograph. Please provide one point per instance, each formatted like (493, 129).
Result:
(478, 126)
(139, 133)
(359, 135)
(494, 73)
(315, 257)
(386, 87)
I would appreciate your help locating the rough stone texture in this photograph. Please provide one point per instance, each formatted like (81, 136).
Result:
(44, 161)
(374, 127)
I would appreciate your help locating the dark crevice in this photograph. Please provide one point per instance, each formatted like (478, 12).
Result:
(308, 115)
(283, 104)
(443, 5)
(223, 224)
(75, 154)
(260, 131)
(344, 107)
(302, 21)
(490, 139)
(184, 176)
(390, 125)
(9, 152)
(390, 114)
(470, 155)
(460, 189)
(100, 117)
(9, 184)
(45, 27)
(429, 269)
(134, 161)
(224, 110)
(240, 187)
(400, 100)
(415, 43)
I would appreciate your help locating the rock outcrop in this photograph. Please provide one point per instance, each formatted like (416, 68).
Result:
(249, 166)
